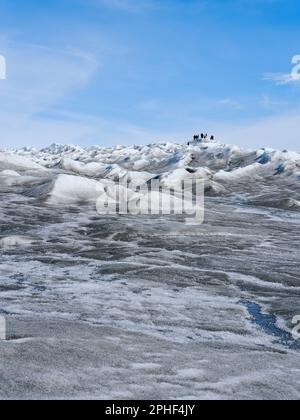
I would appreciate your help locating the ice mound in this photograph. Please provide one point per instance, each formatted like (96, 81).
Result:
(277, 203)
(10, 161)
(175, 178)
(91, 169)
(70, 189)
(251, 171)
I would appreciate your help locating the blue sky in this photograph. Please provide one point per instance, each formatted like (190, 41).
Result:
(138, 71)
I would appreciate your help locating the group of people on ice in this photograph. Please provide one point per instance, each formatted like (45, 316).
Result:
(201, 138)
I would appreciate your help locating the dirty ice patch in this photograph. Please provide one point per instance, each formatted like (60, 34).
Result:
(15, 241)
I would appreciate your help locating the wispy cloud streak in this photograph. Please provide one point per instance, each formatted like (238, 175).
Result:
(281, 79)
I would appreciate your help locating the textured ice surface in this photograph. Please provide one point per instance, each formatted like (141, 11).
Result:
(149, 307)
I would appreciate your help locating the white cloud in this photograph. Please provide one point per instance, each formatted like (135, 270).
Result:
(231, 103)
(282, 78)
(32, 114)
(38, 79)
(269, 103)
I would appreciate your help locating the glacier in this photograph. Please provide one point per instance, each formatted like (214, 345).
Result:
(149, 307)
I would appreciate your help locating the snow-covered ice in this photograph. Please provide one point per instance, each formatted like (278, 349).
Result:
(123, 306)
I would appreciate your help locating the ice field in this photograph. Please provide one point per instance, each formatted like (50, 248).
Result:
(149, 307)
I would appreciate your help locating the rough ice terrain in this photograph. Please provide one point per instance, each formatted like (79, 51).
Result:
(134, 307)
